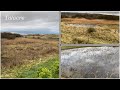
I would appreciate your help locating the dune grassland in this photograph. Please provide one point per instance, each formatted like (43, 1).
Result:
(90, 62)
(79, 28)
(29, 56)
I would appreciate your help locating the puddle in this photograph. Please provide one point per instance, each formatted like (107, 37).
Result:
(83, 25)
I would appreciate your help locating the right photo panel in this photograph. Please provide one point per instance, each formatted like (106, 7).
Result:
(89, 44)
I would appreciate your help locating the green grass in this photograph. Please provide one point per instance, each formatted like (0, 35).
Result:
(47, 69)
(71, 47)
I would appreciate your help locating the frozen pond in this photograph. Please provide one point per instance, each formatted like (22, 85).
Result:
(90, 62)
(83, 25)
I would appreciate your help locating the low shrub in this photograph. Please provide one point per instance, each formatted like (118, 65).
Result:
(77, 41)
(44, 73)
(10, 35)
(90, 30)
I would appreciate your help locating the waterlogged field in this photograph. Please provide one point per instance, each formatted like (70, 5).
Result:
(89, 31)
(90, 62)
(29, 57)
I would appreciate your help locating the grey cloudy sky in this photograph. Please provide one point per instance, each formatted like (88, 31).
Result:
(97, 12)
(42, 22)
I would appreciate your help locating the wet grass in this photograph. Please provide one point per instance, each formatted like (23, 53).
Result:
(71, 47)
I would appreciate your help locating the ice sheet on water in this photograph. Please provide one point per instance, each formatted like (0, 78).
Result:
(106, 59)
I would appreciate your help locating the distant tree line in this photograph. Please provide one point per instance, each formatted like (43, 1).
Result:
(8, 35)
(89, 16)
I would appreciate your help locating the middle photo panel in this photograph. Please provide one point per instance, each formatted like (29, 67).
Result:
(89, 27)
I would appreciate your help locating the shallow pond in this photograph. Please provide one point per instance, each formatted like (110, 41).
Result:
(83, 25)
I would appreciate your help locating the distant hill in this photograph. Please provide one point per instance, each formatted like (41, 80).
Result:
(88, 16)
(9, 35)
(43, 36)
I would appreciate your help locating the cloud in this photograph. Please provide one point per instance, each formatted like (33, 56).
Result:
(39, 22)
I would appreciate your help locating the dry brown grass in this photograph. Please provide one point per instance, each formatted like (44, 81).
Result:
(22, 50)
(88, 21)
(25, 41)
(105, 31)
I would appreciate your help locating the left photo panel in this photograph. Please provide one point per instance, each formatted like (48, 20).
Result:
(30, 44)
